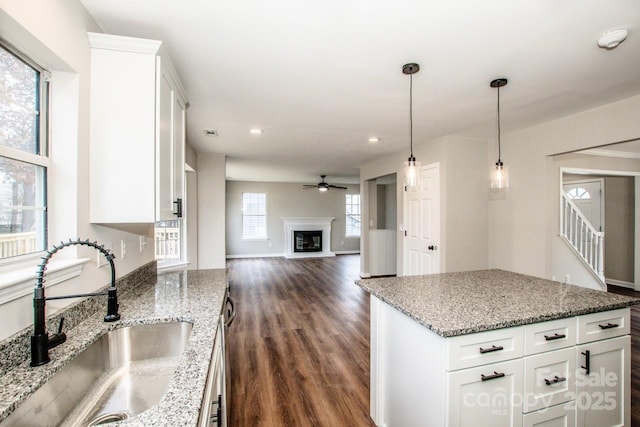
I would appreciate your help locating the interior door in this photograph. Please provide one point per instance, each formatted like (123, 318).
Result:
(422, 224)
(587, 196)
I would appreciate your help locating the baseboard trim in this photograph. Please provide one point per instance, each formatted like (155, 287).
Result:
(622, 283)
(364, 275)
(255, 256)
(346, 252)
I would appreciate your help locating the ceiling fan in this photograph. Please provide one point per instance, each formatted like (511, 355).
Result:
(323, 186)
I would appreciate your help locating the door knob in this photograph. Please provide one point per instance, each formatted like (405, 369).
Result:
(431, 247)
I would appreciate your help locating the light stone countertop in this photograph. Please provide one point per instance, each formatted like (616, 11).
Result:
(193, 296)
(452, 304)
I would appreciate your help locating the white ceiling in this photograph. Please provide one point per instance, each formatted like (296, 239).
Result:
(322, 77)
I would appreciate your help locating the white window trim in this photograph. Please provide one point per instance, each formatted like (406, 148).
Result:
(266, 229)
(352, 236)
(21, 282)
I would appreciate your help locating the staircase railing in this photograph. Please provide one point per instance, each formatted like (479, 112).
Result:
(582, 236)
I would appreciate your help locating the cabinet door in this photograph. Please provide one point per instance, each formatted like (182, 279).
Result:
(489, 395)
(164, 146)
(549, 379)
(178, 147)
(556, 416)
(604, 395)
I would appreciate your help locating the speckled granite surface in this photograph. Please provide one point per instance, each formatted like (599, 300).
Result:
(193, 296)
(452, 304)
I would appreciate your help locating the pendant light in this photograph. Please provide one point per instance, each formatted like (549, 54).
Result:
(499, 173)
(412, 167)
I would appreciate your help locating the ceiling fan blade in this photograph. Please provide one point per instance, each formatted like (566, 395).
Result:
(337, 186)
(307, 186)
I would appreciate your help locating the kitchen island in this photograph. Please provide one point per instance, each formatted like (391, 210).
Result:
(190, 296)
(496, 348)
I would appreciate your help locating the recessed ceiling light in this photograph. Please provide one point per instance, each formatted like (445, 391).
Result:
(374, 139)
(611, 39)
(256, 131)
(210, 132)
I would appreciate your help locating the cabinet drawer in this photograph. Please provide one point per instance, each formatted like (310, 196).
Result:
(557, 416)
(549, 379)
(603, 325)
(547, 336)
(484, 347)
(485, 395)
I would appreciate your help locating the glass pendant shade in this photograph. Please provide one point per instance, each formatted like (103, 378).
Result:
(499, 176)
(412, 172)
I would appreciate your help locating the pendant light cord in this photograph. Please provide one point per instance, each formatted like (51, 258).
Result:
(499, 148)
(411, 112)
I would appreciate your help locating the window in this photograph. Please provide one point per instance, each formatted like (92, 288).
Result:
(23, 155)
(254, 216)
(353, 215)
(578, 193)
(168, 242)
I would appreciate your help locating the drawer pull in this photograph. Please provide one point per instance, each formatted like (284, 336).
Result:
(555, 336)
(492, 377)
(609, 325)
(493, 348)
(555, 380)
(587, 365)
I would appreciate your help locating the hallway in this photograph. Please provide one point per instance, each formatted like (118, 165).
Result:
(299, 343)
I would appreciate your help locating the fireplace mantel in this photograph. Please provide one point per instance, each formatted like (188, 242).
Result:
(292, 224)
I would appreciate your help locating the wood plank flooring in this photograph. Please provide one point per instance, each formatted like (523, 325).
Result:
(299, 346)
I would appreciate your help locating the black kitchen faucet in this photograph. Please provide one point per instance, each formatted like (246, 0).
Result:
(40, 340)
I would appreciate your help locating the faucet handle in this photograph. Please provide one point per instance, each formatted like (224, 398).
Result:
(60, 325)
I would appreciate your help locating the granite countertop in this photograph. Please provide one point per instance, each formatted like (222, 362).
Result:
(452, 304)
(193, 296)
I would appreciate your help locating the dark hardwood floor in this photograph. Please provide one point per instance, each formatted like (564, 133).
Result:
(299, 346)
(635, 353)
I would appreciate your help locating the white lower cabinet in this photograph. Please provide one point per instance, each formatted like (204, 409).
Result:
(549, 379)
(556, 416)
(533, 375)
(214, 411)
(604, 387)
(486, 395)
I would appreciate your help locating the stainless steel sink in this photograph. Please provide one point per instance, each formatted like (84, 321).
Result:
(122, 374)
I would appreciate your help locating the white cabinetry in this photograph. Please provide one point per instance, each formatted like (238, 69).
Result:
(533, 375)
(214, 411)
(137, 134)
(603, 379)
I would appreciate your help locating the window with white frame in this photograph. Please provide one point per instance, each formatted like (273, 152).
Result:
(254, 215)
(23, 154)
(353, 215)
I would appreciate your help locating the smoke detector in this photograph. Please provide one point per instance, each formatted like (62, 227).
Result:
(611, 39)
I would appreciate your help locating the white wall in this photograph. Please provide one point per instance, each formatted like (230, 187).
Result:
(211, 211)
(523, 226)
(464, 186)
(286, 200)
(53, 33)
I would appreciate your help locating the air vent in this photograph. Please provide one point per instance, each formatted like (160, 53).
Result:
(210, 132)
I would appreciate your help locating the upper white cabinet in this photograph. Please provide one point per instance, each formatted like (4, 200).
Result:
(137, 137)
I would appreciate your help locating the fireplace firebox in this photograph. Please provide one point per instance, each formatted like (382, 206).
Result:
(307, 241)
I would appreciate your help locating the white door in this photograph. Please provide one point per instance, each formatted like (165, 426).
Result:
(587, 195)
(422, 224)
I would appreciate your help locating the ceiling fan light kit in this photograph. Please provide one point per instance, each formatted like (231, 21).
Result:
(323, 186)
(412, 167)
(499, 173)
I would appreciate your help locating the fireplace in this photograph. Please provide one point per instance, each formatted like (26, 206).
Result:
(307, 237)
(307, 241)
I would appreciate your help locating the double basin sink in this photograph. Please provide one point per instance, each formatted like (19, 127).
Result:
(122, 374)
